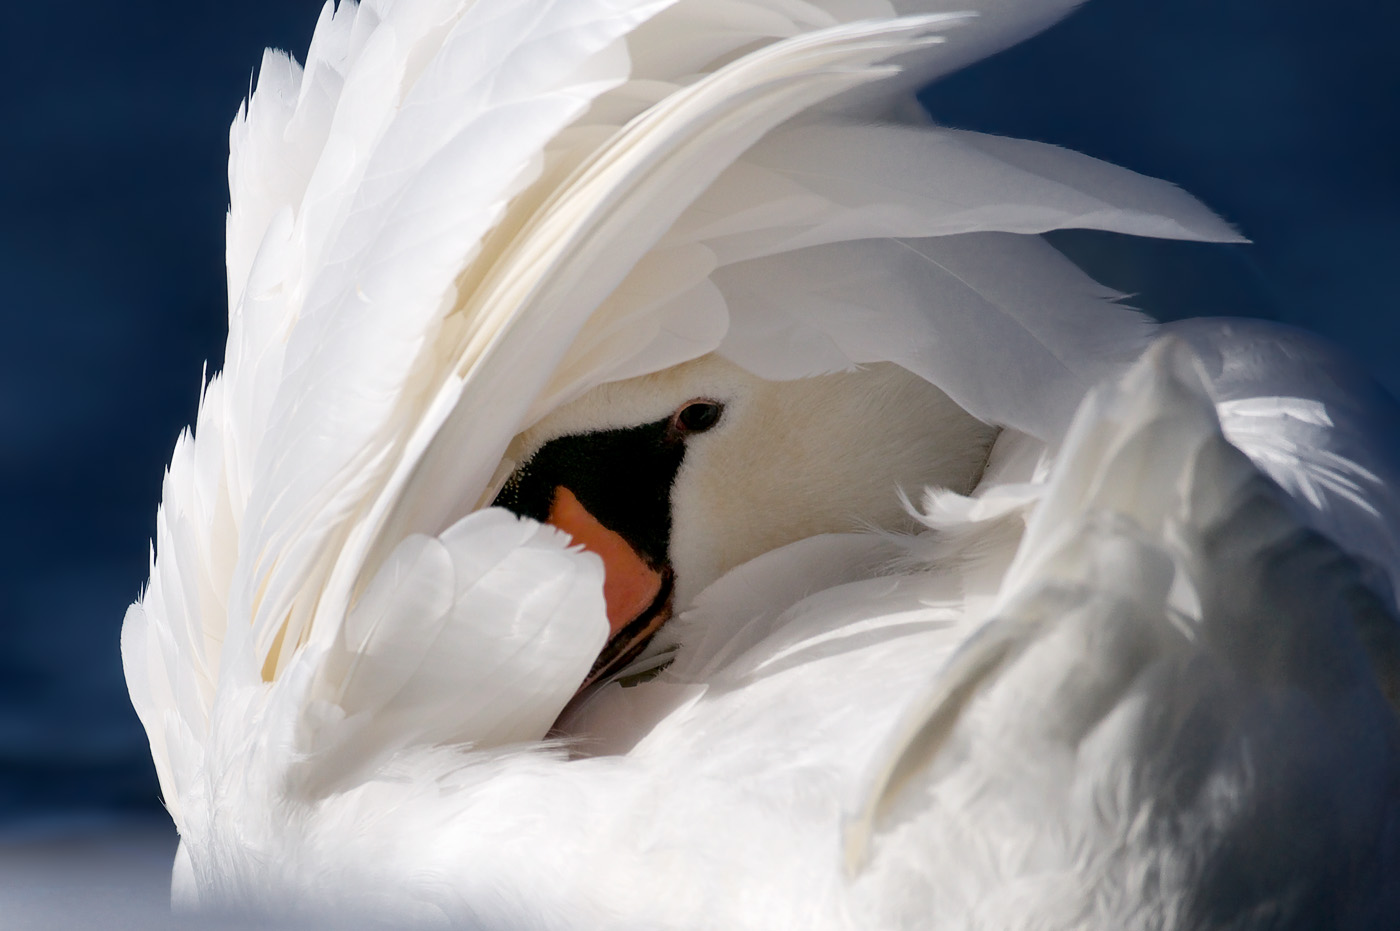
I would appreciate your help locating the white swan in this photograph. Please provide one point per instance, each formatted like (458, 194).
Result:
(466, 231)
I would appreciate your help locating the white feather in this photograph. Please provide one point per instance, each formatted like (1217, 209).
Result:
(460, 216)
(1043, 332)
(1144, 720)
(478, 637)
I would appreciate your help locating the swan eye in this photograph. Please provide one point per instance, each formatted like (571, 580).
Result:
(697, 416)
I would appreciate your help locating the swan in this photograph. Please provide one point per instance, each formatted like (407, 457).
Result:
(677, 477)
(855, 561)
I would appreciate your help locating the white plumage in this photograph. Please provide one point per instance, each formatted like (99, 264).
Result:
(1127, 676)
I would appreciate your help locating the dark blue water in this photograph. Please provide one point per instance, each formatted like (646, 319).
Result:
(1282, 114)
(112, 198)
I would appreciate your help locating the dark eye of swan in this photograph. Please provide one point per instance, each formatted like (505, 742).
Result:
(697, 416)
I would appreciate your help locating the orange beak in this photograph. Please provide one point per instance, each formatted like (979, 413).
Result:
(629, 585)
(632, 589)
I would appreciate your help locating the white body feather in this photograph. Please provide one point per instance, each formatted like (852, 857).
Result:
(460, 216)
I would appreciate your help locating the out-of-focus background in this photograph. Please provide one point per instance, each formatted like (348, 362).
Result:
(1284, 115)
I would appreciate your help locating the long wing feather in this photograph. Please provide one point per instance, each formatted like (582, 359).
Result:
(283, 434)
(431, 188)
(1043, 334)
(816, 184)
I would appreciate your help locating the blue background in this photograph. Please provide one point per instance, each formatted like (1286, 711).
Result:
(1281, 114)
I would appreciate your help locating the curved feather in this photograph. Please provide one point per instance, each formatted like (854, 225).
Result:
(477, 637)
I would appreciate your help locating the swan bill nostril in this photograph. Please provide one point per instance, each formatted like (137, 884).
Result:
(630, 586)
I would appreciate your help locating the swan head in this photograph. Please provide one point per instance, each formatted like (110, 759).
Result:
(675, 478)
